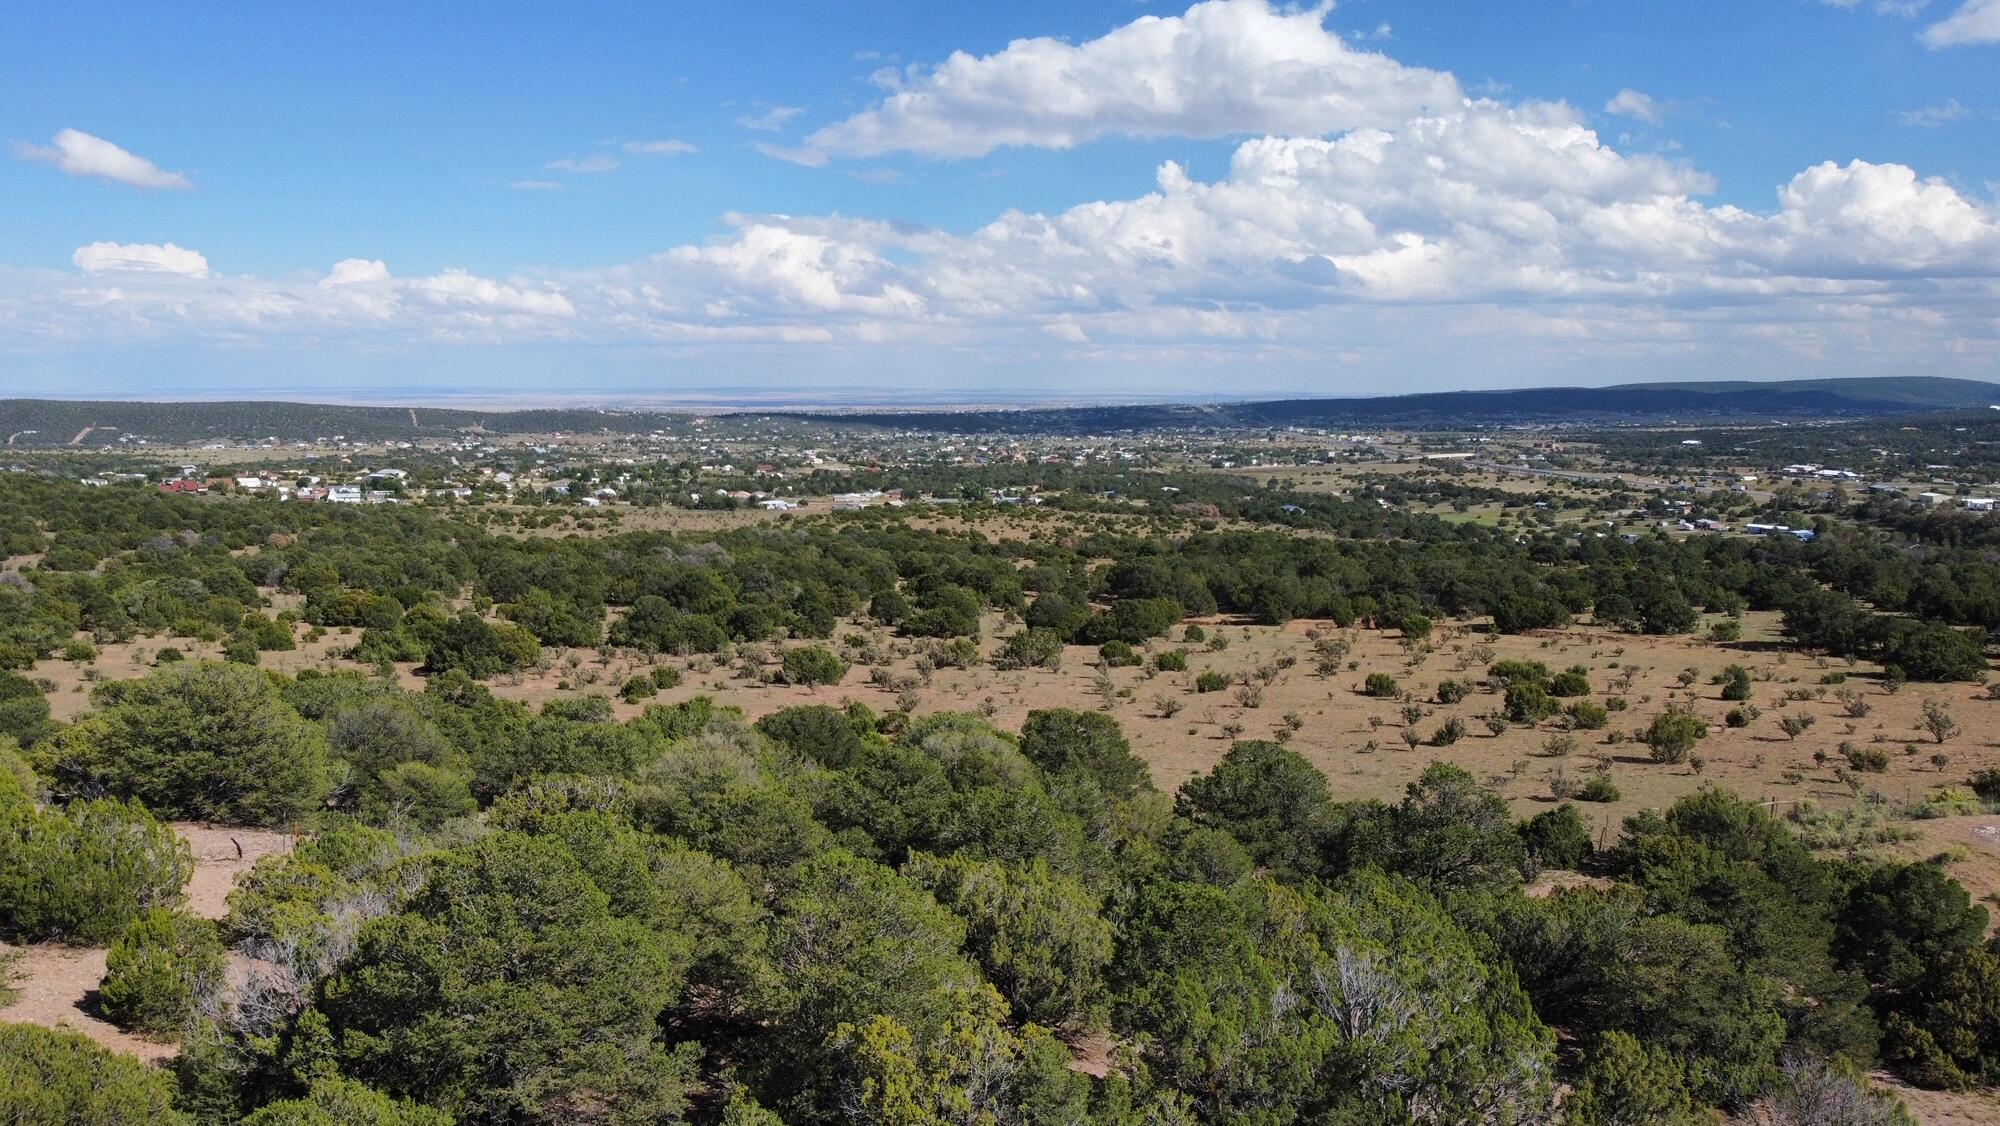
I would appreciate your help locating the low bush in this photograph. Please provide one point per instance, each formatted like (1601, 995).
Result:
(158, 972)
(1586, 715)
(1599, 789)
(49, 1077)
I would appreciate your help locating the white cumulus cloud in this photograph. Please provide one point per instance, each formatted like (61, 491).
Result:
(457, 289)
(1226, 67)
(139, 257)
(80, 154)
(356, 271)
(1975, 21)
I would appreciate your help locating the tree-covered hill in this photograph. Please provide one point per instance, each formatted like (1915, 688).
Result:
(47, 422)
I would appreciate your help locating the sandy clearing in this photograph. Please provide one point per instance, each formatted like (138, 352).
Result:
(220, 862)
(58, 984)
(58, 987)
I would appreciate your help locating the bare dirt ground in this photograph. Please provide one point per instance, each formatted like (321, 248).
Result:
(221, 856)
(58, 984)
(1945, 1108)
(1355, 739)
(57, 989)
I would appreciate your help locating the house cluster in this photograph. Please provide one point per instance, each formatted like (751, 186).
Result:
(1821, 472)
(380, 486)
(1945, 500)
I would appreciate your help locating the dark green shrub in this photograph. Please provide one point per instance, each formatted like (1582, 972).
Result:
(1598, 789)
(336, 1101)
(1986, 784)
(1673, 733)
(1735, 681)
(50, 1078)
(1173, 660)
(1870, 760)
(1210, 681)
(82, 873)
(1572, 681)
(1586, 715)
(203, 741)
(1380, 685)
(1517, 672)
(825, 735)
(1528, 702)
(24, 710)
(1031, 649)
(1556, 838)
(1448, 732)
(890, 608)
(1064, 742)
(814, 665)
(1118, 654)
(159, 971)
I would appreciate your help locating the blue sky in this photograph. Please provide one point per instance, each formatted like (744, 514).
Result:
(1142, 199)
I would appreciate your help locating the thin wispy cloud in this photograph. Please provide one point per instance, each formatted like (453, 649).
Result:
(1930, 117)
(595, 163)
(536, 185)
(80, 154)
(1908, 9)
(771, 119)
(660, 148)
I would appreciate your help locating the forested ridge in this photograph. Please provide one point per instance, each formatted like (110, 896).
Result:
(515, 914)
(57, 421)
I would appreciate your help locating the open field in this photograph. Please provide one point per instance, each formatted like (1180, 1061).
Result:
(1354, 738)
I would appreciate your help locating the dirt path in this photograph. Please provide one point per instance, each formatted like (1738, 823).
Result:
(81, 435)
(218, 863)
(58, 984)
